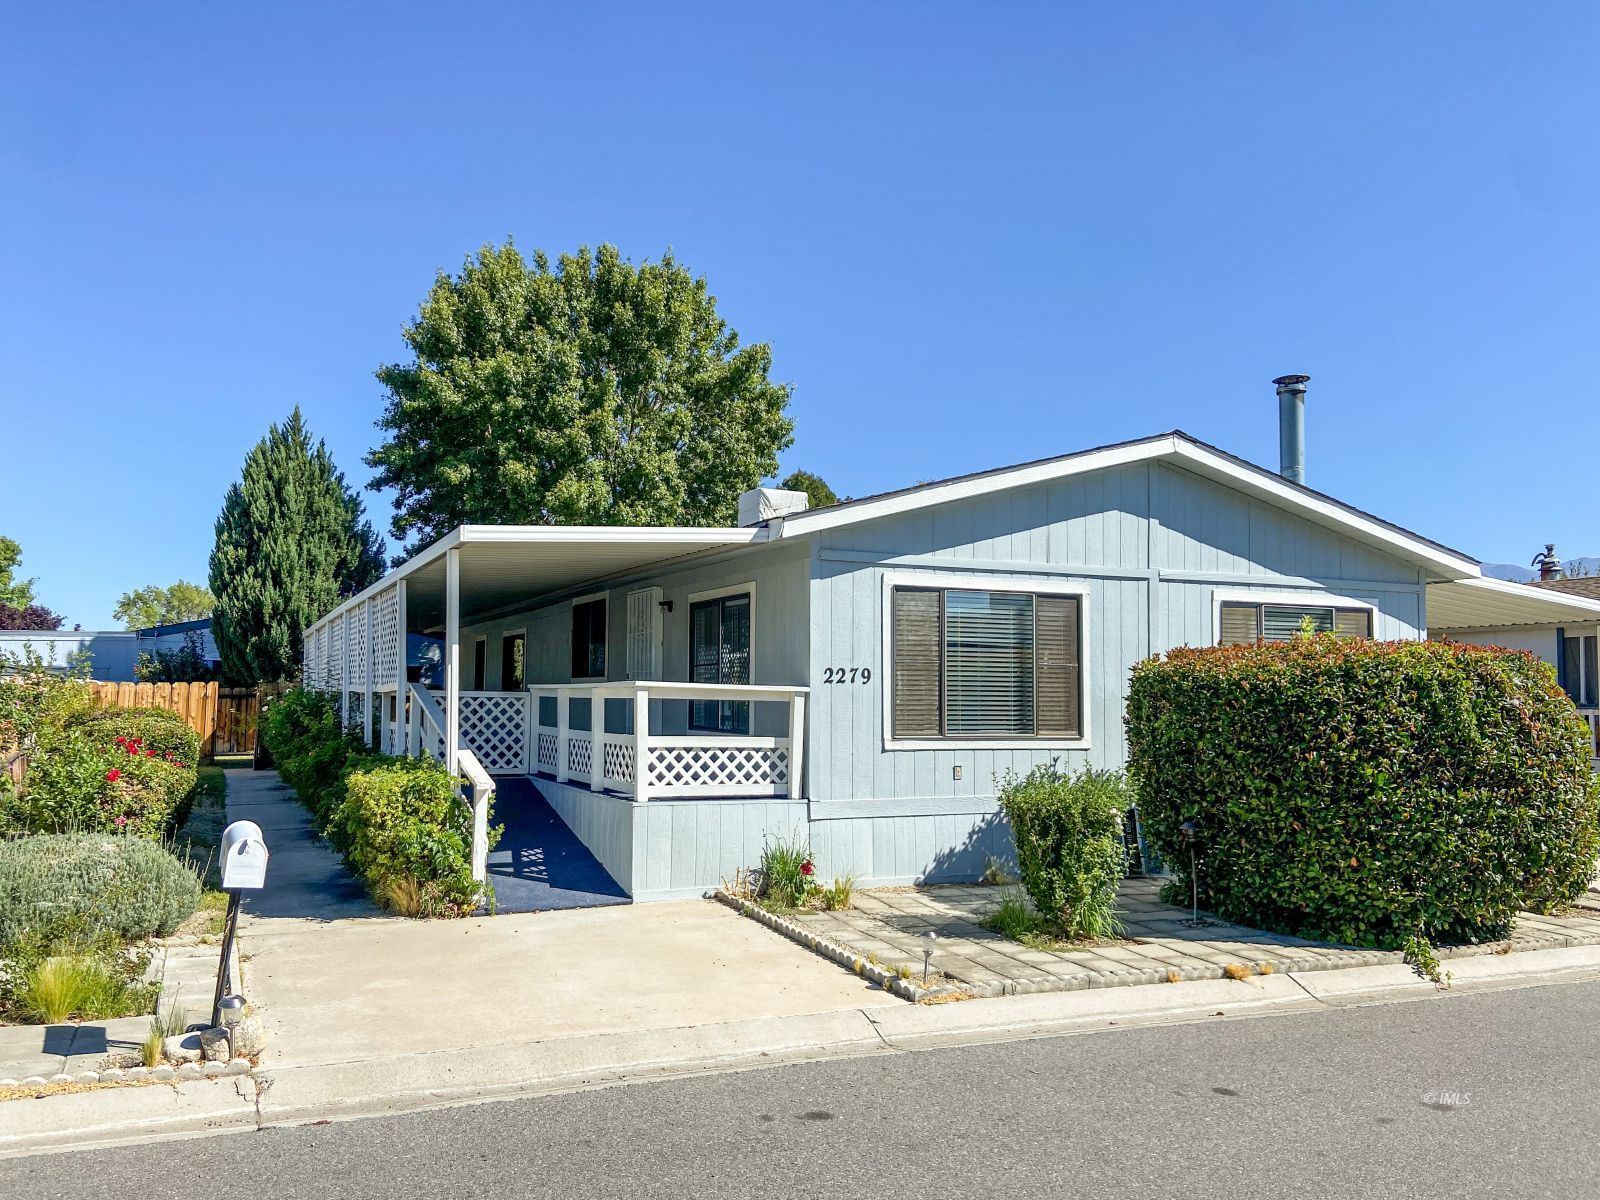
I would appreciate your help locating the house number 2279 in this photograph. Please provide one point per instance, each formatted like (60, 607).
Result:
(847, 675)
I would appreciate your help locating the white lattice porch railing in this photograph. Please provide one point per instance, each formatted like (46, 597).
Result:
(648, 765)
(497, 728)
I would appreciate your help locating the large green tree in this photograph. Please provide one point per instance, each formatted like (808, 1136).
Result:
(588, 392)
(18, 593)
(157, 605)
(292, 541)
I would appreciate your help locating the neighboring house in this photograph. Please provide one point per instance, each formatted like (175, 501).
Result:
(174, 636)
(863, 675)
(111, 653)
(1566, 635)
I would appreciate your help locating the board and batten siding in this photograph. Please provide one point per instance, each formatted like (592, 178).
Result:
(1151, 544)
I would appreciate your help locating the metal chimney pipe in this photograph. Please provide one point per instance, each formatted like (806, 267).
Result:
(1292, 426)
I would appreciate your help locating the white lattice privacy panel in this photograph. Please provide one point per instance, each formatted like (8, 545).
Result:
(644, 633)
(334, 682)
(319, 660)
(548, 744)
(386, 640)
(494, 726)
(617, 761)
(356, 652)
(580, 754)
(734, 767)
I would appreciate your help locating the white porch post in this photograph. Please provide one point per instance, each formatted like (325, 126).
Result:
(641, 745)
(402, 727)
(452, 656)
(797, 744)
(367, 643)
(563, 735)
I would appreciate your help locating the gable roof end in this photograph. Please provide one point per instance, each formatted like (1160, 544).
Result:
(1177, 448)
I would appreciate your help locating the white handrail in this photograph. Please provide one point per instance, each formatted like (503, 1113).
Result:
(479, 784)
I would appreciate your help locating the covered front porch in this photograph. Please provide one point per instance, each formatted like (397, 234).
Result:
(669, 784)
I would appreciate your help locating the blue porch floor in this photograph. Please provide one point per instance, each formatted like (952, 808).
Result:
(540, 864)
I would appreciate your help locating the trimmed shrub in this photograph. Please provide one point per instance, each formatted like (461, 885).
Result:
(1366, 792)
(1070, 853)
(159, 732)
(78, 783)
(310, 748)
(401, 820)
(105, 883)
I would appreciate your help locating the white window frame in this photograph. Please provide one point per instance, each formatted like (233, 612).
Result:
(605, 635)
(509, 633)
(957, 582)
(1275, 596)
(736, 589)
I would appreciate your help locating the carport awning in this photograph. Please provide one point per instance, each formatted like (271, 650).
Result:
(1497, 603)
(506, 565)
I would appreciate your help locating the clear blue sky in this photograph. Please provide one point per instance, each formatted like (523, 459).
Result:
(972, 234)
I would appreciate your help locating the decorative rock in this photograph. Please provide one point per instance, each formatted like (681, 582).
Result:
(249, 1037)
(162, 1074)
(5, 1083)
(183, 1048)
(86, 1077)
(191, 1070)
(35, 1081)
(214, 1041)
(138, 1072)
(112, 1074)
(215, 1069)
(61, 1077)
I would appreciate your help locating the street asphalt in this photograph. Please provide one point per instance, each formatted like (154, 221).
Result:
(1482, 1094)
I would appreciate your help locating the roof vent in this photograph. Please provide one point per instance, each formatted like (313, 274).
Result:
(760, 505)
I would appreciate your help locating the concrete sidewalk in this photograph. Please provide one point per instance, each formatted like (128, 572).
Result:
(305, 878)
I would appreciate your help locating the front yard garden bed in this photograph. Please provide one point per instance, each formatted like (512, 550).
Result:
(882, 936)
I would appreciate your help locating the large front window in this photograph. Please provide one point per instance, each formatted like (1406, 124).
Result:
(589, 639)
(986, 664)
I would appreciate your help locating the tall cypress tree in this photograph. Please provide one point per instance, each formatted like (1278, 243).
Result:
(292, 541)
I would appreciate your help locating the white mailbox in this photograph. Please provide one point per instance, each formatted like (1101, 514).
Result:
(244, 856)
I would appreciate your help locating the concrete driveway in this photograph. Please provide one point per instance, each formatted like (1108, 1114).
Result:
(352, 989)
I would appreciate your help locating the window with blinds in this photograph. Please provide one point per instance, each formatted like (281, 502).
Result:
(980, 664)
(1245, 624)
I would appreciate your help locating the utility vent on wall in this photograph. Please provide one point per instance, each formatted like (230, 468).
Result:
(644, 634)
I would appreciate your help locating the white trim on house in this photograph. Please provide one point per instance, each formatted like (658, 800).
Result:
(955, 581)
(1176, 447)
(1283, 596)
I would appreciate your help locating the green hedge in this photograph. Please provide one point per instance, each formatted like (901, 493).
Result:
(399, 822)
(1070, 852)
(102, 883)
(309, 747)
(1366, 792)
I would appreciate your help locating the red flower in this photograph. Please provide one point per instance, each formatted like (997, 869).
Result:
(113, 775)
(169, 755)
(121, 821)
(150, 753)
(122, 741)
(806, 868)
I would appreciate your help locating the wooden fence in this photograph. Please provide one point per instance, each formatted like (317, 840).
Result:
(227, 719)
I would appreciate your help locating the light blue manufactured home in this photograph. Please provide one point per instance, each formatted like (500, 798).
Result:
(861, 675)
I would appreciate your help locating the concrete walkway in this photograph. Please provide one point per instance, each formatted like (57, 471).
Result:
(305, 878)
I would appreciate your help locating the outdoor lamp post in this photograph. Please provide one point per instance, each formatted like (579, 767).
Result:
(927, 954)
(1190, 833)
(231, 1009)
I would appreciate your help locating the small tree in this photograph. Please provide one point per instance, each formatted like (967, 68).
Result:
(18, 606)
(588, 392)
(814, 486)
(157, 605)
(291, 543)
(34, 616)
